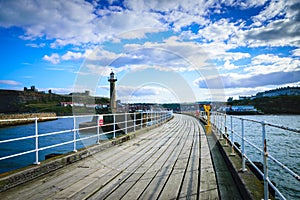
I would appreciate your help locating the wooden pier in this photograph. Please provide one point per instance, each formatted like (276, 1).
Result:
(172, 161)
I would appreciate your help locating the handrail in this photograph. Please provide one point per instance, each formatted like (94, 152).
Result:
(224, 127)
(146, 119)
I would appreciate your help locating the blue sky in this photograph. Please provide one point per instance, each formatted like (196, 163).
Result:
(160, 50)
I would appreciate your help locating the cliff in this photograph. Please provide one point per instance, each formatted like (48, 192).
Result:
(12, 101)
(273, 105)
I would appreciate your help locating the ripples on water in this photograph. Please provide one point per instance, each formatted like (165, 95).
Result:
(282, 145)
(29, 144)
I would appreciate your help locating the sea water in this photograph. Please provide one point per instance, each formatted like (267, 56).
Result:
(281, 144)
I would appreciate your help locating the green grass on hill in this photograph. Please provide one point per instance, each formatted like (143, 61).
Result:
(273, 105)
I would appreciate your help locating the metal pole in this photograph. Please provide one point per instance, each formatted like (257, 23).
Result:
(165, 116)
(114, 116)
(265, 160)
(232, 143)
(159, 117)
(221, 126)
(125, 123)
(141, 120)
(225, 126)
(74, 134)
(243, 147)
(36, 142)
(98, 129)
(134, 118)
(226, 138)
(214, 118)
(217, 121)
(147, 118)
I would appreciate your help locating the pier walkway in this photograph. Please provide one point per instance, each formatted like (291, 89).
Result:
(172, 161)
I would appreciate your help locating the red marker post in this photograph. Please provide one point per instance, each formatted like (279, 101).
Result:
(100, 120)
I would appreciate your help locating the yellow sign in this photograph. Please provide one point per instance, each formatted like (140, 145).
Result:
(208, 126)
(206, 108)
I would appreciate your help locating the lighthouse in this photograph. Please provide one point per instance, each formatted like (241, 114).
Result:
(112, 80)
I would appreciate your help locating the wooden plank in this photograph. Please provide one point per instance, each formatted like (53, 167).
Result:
(124, 167)
(173, 185)
(160, 164)
(155, 188)
(114, 184)
(190, 186)
(134, 180)
(82, 190)
(208, 183)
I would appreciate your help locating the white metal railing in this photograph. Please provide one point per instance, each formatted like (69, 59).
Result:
(225, 128)
(121, 123)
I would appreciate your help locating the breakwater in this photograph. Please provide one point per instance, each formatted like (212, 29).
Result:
(25, 118)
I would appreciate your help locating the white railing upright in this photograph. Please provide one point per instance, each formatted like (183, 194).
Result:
(222, 129)
(151, 118)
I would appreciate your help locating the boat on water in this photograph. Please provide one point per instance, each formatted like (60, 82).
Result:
(241, 110)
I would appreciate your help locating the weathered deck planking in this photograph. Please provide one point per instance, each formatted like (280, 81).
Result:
(169, 162)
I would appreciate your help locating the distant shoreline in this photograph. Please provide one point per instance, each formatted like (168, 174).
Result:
(7, 120)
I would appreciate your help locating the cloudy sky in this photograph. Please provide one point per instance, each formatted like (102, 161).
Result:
(160, 50)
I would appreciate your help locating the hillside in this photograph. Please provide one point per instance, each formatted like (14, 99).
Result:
(273, 105)
(12, 101)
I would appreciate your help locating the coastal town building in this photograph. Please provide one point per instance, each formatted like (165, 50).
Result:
(287, 91)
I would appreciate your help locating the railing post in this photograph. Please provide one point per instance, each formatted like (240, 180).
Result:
(125, 123)
(221, 126)
(243, 147)
(98, 129)
(225, 131)
(134, 118)
(265, 160)
(114, 117)
(147, 113)
(141, 120)
(74, 134)
(217, 121)
(165, 116)
(214, 123)
(36, 142)
(232, 143)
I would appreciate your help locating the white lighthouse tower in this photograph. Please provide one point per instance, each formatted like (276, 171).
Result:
(112, 79)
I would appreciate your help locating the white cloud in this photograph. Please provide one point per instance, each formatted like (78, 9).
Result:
(244, 4)
(229, 66)
(145, 93)
(72, 56)
(80, 22)
(9, 82)
(53, 58)
(269, 63)
(296, 52)
(278, 26)
(66, 90)
(220, 30)
(68, 20)
(274, 9)
(250, 81)
(36, 45)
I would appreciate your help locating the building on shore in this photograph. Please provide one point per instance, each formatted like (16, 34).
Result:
(286, 91)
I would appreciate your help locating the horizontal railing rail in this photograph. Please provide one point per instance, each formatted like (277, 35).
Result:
(224, 128)
(100, 125)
